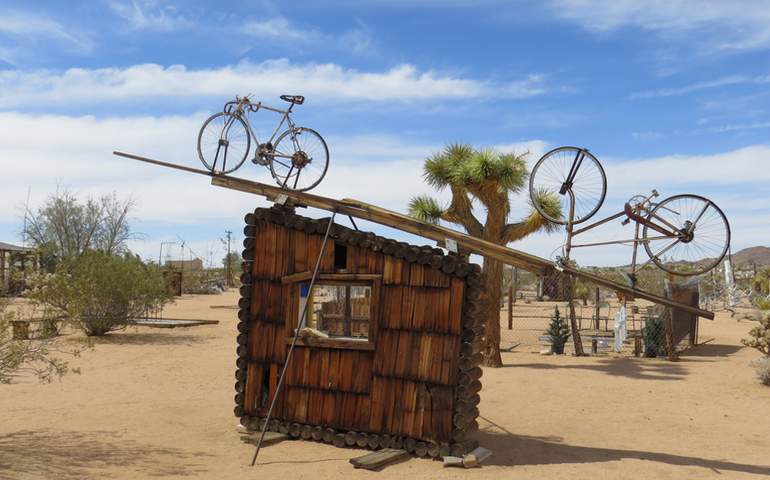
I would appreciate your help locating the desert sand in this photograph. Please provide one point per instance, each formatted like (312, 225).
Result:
(157, 403)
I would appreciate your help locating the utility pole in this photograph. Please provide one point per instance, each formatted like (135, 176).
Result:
(228, 266)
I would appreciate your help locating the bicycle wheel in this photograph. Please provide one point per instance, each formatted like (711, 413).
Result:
(223, 142)
(703, 235)
(555, 174)
(299, 159)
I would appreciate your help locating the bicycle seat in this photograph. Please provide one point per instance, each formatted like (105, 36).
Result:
(295, 99)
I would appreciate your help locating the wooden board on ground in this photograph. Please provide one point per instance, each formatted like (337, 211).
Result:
(172, 322)
(379, 459)
(270, 437)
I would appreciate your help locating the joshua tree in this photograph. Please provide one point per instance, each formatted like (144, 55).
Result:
(488, 177)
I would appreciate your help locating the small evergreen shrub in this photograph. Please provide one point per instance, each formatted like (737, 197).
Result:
(558, 331)
(654, 337)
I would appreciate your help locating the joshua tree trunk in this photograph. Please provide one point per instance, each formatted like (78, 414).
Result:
(491, 293)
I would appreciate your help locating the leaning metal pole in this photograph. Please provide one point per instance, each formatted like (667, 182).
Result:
(293, 341)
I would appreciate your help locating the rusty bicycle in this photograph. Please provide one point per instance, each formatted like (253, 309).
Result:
(683, 234)
(297, 157)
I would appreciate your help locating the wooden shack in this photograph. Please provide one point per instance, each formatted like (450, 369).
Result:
(395, 359)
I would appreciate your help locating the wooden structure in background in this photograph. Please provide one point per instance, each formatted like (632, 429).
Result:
(404, 373)
(14, 258)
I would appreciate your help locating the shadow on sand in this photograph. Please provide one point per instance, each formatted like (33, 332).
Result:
(512, 450)
(165, 337)
(636, 368)
(81, 455)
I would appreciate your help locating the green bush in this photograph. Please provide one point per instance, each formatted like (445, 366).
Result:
(558, 331)
(760, 336)
(654, 336)
(762, 303)
(101, 292)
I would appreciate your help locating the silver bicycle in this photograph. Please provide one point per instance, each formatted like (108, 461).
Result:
(297, 156)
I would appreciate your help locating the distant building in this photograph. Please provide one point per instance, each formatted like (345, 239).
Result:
(13, 259)
(195, 264)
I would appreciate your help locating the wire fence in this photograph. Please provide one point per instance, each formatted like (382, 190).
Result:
(530, 303)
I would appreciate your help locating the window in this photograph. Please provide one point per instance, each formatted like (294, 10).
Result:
(338, 309)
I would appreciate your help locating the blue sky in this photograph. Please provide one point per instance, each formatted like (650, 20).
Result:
(670, 95)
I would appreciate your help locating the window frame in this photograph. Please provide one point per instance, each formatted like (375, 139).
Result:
(339, 279)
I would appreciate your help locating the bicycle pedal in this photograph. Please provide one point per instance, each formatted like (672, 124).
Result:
(260, 161)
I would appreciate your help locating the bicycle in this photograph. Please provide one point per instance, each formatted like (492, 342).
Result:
(295, 151)
(692, 231)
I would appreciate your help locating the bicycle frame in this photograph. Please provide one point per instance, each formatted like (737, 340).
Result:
(633, 213)
(240, 111)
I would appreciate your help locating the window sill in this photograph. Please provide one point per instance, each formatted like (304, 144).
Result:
(344, 343)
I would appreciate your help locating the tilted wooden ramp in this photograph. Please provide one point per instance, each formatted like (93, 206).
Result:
(392, 219)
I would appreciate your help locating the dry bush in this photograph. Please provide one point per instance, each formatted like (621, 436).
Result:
(762, 368)
(36, 357)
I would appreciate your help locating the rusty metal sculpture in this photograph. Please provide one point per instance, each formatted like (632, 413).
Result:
(297, 157)
(683, 234)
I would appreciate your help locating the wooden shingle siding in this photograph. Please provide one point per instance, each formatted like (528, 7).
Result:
(418, 382)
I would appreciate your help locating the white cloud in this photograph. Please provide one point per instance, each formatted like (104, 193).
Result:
(281, 31)
(712, 25)
(22, 32)
(46, 151)
(741, 126)
(746, 165)
(317, 81)
(704, 85)
(149, 15)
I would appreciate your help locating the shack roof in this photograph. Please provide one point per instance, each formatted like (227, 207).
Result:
(7, 247)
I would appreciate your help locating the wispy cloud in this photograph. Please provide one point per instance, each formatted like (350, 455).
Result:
(319, 81)
(22, 32)
(280, 29)
(709, 25)
(150, 15)
(740, 126)
(704, 85)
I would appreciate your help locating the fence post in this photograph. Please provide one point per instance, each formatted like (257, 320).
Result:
(515, 283)
(510, 308)
(596, 307)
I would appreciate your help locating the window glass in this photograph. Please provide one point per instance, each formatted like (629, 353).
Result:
(338, 310)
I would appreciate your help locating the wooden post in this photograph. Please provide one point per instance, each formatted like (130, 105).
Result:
(596, 308)
(510, 308)
(540, 288)
(670, 335)
(577, 341)
(637, 345)
(515, 283)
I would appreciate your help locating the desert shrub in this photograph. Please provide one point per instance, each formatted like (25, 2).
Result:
(558, 331)
(760, 336)
(762, 303)
(762, 368)
(101, 292)
(37, 357)
(654, 336)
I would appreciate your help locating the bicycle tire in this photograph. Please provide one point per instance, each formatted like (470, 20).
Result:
(551, 171)
(236, 138)
(282, 171)
(715, 225)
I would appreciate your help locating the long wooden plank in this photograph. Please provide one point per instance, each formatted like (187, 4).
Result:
(412, 225)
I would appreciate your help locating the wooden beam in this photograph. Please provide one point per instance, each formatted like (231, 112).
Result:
(348, 277)
(435, 232)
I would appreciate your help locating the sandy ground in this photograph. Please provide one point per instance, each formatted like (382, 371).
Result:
(153, 403)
